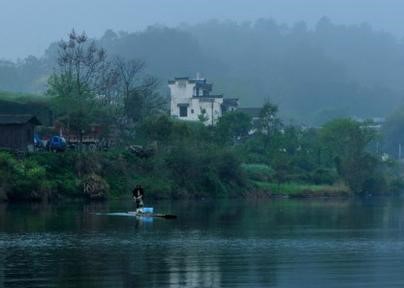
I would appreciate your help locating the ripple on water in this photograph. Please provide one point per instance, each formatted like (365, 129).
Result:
(280, 252)
(191, 240)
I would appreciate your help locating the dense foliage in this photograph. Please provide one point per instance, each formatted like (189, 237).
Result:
(314, 74)
(89, 87)
(191, 160)
(345, 142)
(239, 156)
(393, 134)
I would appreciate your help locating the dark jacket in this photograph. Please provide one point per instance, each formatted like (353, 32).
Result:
(137, 192)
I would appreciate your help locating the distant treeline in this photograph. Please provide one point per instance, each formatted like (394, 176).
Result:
(313, 74)
(16, 103)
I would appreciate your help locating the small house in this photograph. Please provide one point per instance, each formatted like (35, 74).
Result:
(253, 112)
(17, 131)
(192, 100)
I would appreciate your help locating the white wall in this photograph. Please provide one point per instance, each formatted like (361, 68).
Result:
(213, 110)
(182, 92)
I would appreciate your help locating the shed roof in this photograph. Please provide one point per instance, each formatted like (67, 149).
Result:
(230, 102)
(9, 119)
(253, 112)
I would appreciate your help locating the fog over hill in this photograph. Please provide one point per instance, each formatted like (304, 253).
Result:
(27, 26)
(312, 71)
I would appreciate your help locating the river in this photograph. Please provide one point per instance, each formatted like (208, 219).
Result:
(278, 243)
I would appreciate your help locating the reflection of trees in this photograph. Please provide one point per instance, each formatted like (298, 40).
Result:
(225, 249)
(212, 244)
(3, 220)
(2, 263)
(2, 216)
(190, 269)
(325, 240)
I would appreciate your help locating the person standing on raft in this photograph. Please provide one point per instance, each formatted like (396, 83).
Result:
(138, 193)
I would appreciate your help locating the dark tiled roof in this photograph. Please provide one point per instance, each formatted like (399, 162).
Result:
(207, 98)
(204, 86)
(18, 119)
(230, 102)
(178, 79)
(253, 112)
(201, 82)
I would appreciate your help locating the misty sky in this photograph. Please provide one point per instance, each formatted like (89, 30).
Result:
(28, 26)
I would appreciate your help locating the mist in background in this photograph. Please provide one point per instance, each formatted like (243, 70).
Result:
(27, 27)
(316, 59)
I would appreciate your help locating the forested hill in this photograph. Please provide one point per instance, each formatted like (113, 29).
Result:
(312, 73)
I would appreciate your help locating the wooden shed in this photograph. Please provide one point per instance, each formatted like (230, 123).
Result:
(17, 131)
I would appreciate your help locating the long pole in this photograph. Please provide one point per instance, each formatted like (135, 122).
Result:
(212, 110)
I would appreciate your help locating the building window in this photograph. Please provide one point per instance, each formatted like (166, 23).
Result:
(28, 134)
(183, 111)
(182, 83)
(192, 111)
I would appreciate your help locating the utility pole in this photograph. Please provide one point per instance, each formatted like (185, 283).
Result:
(399, 152)
(213, 100)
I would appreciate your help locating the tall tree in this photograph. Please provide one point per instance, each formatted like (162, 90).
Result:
(75, 84)
(139, 92)
(269, 121)
(345, 142)
(233, 127)
(393, 133)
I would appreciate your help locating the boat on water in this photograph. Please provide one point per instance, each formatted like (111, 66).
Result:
(152, 215)
(143, 213)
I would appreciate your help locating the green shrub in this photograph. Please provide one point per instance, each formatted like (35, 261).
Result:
(323, 176)
(258, 172)
(22, 179)
(157, 187)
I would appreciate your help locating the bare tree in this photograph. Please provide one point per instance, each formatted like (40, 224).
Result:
(139, 92)
(80, 62)
(129, 74)
(75, 82)
(90, 87)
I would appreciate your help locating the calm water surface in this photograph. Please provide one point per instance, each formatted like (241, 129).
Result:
(282, 243)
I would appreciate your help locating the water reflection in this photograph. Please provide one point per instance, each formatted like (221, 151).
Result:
(325, 243)
(184, 271)
(2, 262)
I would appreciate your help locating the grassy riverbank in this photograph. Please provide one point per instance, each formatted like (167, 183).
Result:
(189, 160)
(171, 174)
(297, 190)
(180, 159)
(112, 175)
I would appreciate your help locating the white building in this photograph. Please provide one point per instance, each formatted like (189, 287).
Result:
(191, 100)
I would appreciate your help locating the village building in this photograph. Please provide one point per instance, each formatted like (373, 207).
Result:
(17, 131)
(253, 112)
(192, 100)
(40, 110)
